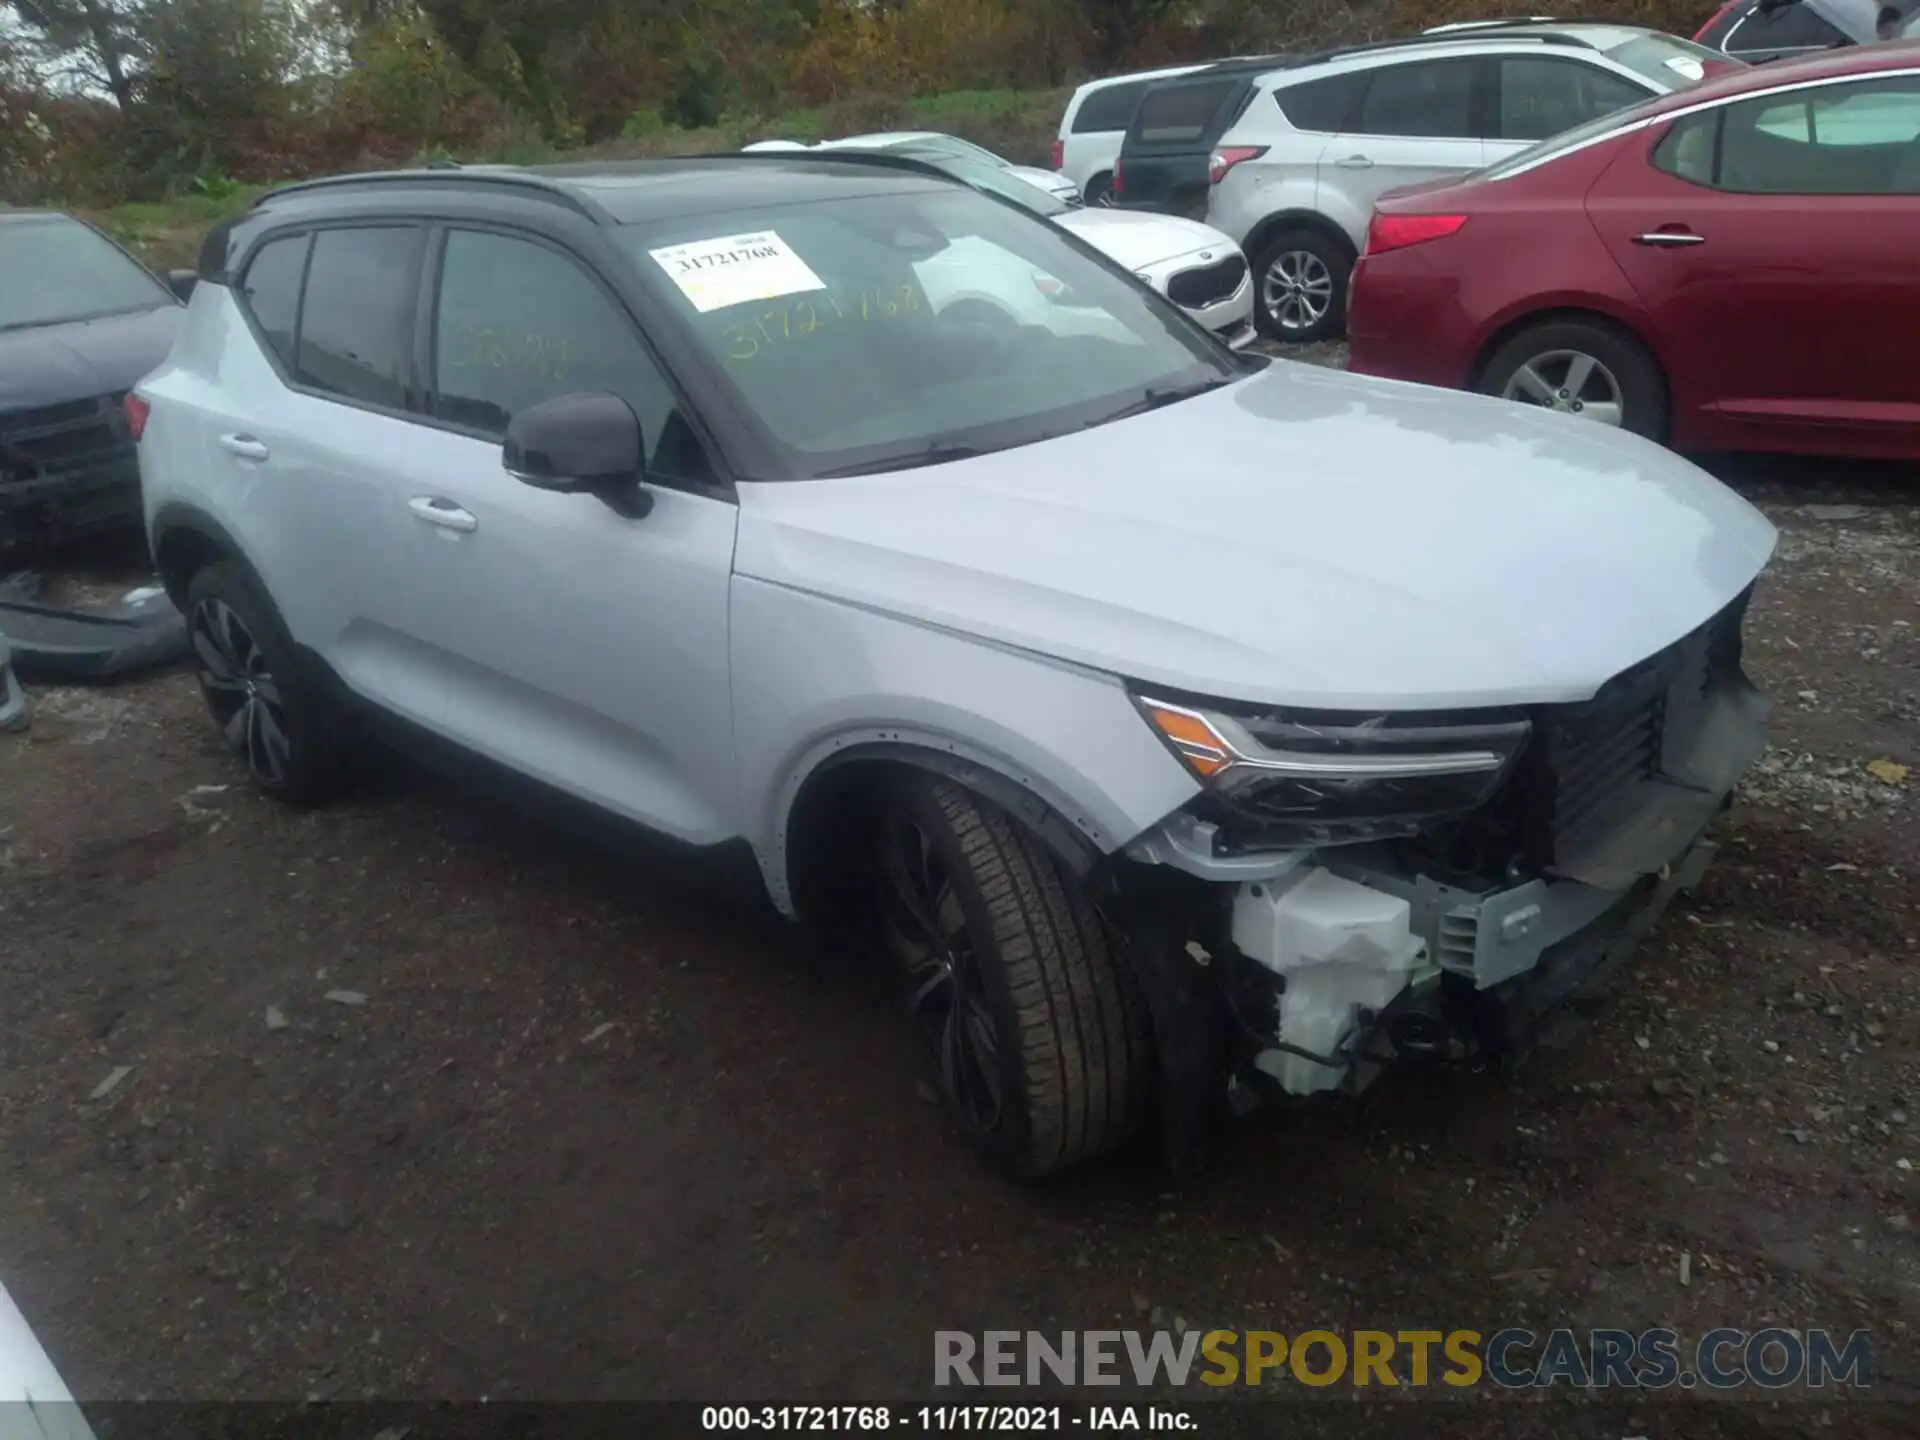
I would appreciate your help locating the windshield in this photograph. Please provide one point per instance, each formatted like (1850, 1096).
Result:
(57, 270)
(916, 324)
(994, 179)
(1666, 60)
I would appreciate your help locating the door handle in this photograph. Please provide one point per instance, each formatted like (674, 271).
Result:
(1670, 238)
(444, 513)
(244, 446)
(1354, 162)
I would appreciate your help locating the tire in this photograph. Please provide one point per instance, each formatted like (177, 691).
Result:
(1621, 365)
(1099, 191)
(257, 691)
(1309, 268)
(1038, 1030)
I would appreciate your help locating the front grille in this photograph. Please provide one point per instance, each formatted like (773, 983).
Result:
(1207, 284)
(1580, 771)
(69, 439)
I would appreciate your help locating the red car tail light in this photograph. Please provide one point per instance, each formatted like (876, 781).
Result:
(1059, 153)
(1116, 179)
(1396, 232)
(137, 412)
(1225, 159)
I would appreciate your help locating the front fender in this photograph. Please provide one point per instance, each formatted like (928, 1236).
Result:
(817, 682)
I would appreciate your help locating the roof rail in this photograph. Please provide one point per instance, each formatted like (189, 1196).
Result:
(441, 174)
(1519, 22)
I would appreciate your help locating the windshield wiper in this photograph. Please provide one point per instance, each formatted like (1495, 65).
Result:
(1156, 397)
(940, 452)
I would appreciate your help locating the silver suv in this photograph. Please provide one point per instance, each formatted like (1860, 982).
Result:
(1295, 177)
(1179, 725)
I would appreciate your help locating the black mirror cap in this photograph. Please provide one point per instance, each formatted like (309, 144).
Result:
(181, 282)
(586, 441)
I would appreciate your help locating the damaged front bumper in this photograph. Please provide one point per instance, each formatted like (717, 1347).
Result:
(1327, 963)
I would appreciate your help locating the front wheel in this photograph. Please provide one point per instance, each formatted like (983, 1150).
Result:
(1302, 278)
(1583, 368)
(1037, 1030)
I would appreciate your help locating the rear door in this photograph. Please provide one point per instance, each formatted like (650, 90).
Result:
(1542, 95)
(1776, 244)
(1163, 161)
(1422, 120)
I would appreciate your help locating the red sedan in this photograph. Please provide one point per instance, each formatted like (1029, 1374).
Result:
(1732, 267)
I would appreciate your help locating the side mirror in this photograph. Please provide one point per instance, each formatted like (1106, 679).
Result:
(589, 443)
(181, 282)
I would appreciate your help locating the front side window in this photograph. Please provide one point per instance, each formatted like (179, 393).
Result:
(913, 324)
(1433, 99)
(54, 270)
(518, 323)
(356, 318)
(1543, 95)
(1859, 139)
(1178, 114)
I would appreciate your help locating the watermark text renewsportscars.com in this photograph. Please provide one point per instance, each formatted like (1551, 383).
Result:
(1773, 1359)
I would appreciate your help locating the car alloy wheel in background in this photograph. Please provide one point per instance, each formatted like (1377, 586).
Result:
(1571, 382)
(242, 692)
(1297, 290)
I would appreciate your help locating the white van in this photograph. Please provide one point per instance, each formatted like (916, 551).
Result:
(1094, 124)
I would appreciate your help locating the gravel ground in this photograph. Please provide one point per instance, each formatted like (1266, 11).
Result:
(424, 1101)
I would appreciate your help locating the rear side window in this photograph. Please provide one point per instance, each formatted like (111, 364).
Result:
(356, 322)
(518, 323)
(1793, 27)
(1110, 108)
(1178, 114)
(1542, 95)
(271, 291)
(1432, 99)
(1859, 139)
(1323, 106)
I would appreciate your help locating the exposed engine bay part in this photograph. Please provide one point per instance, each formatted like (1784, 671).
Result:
(1344, 953)
(66, 643)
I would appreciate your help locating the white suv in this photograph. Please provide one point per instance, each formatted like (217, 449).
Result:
(1094, 124)
(1177, 723)
(1295, 177)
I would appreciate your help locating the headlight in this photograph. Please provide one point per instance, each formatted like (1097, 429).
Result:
(1318, 777)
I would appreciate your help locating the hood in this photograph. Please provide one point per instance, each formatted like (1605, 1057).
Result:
(51, 364)
(1138, 237)
(1300, 537)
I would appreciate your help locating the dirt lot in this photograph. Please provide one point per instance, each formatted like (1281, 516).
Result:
(592, 1135)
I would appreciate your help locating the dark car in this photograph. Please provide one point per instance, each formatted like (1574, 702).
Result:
(1760, 30)
(80, 321)
(1164, 157)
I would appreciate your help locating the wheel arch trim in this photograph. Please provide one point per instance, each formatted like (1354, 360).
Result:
(1075, 839)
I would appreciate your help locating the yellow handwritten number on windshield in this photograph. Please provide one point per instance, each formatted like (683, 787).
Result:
(784, 324)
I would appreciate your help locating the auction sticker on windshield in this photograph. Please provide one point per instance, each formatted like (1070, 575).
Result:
(736, 270)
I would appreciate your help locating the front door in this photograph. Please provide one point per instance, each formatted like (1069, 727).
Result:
(583, 648)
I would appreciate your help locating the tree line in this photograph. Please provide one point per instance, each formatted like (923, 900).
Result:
(102, 100)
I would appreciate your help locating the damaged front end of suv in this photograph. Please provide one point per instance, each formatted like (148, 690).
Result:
(1426, 887)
